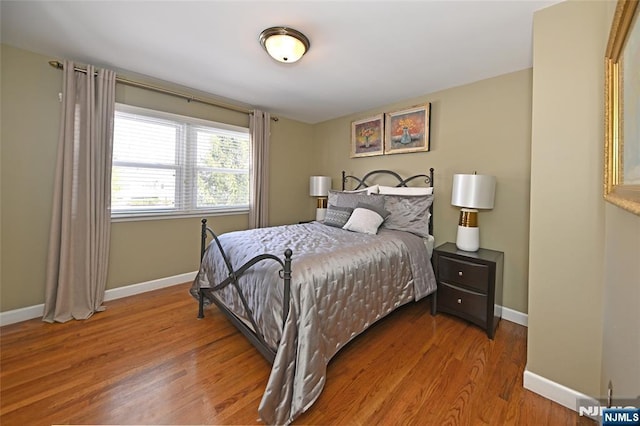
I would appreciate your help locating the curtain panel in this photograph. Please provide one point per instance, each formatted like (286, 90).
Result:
(81, 217)
(259, 127)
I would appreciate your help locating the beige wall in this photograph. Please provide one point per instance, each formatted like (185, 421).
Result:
(566, 261)
(294, 155)
(141, 250)
(621, 299)
(30, 114)
(483, 127)
(584, 282)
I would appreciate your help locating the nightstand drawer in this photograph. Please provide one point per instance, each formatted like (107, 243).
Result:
(464, 273)
(467, 304)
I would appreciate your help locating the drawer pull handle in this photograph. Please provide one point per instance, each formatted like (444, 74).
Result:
(459, 300)
(459, 273)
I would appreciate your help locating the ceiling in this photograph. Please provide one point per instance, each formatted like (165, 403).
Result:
(363, 55)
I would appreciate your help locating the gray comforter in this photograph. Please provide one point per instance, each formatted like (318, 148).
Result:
(342, 282)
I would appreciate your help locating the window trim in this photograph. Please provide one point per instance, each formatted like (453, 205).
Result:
(127, 216)
(115, 218)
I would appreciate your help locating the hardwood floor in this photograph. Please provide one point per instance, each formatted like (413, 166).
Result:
(148, 360)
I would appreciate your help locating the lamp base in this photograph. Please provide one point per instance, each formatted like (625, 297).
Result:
(322, 203)
(468, 238)
(321, 210)
(321, 214)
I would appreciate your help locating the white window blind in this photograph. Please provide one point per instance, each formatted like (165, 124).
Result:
(166, 164)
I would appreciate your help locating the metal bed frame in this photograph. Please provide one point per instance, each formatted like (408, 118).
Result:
(256, 337)
(362, 183)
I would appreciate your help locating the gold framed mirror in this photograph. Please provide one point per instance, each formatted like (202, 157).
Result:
(622, 109)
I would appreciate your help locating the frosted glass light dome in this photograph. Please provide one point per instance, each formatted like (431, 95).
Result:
(284, 44)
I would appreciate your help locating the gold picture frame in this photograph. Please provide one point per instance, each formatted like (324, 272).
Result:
(407, 130)
(367, 136)
(622, 132)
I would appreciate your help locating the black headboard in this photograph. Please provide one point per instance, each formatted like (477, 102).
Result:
(371, 176)
(362, 182)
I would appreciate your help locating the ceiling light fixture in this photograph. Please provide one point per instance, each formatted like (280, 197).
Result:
(284, 44)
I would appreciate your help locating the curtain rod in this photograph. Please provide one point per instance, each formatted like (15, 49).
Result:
(189, 98)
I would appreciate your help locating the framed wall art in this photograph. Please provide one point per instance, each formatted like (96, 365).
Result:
(367, 136)
(407, 130)
(622, 109)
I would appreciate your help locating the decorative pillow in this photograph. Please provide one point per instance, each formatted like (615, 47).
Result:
(351, 199)
(337, 216)
(405, 190)
(366, 219)
(409, 213)
(380, 210)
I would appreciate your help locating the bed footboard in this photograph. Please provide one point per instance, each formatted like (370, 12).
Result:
(253, 334)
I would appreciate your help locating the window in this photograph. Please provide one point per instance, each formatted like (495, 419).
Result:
(166, 164)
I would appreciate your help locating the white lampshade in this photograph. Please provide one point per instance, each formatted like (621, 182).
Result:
(319, 186)
(284, 44)
(473, 191)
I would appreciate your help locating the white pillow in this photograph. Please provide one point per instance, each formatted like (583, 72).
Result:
(365, 219)
(368, 190)
(405, 190)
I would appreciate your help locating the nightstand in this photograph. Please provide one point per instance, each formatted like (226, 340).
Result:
(470, 284)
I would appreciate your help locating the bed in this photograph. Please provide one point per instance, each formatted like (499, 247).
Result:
(301, 292)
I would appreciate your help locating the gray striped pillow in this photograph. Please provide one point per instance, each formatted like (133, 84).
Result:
(337, 216)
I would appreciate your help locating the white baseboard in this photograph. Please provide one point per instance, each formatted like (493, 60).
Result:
(515, 316)
(554, 391)
(130, 290)
(22, 314)
(31, 312)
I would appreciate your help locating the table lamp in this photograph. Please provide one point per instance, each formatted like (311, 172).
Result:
(471, 192)
(319, 187)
